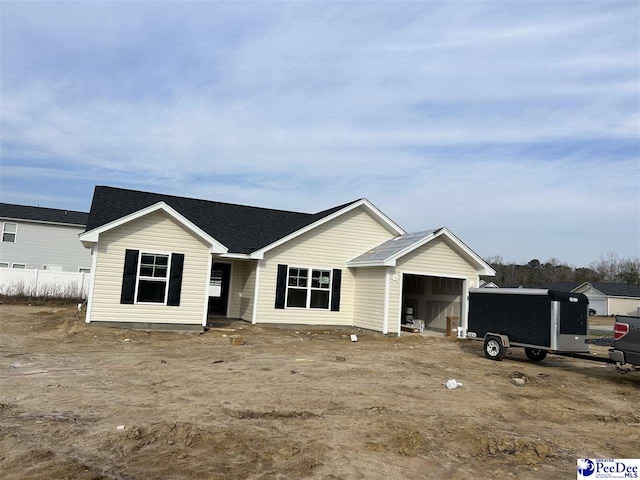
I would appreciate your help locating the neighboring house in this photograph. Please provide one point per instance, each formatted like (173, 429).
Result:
(611, 298)
(564, 286)
(484, 284)
(161, 259)
(43, 238)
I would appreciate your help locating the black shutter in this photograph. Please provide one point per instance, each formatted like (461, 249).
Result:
(175, 279)
(335, 290)
(129, 276)
(281, 286)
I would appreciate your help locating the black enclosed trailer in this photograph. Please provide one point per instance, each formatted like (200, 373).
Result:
(540, 320)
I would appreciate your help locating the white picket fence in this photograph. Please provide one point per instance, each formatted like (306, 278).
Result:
(44, 283)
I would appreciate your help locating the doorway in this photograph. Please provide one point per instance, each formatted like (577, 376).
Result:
(219, 288)
(431, 299)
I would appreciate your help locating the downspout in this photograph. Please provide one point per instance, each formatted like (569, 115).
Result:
(254, 315)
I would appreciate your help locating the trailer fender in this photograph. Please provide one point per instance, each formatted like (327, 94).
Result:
(495, 346)
(504, 339)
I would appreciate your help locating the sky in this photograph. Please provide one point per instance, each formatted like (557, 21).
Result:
(515, 124)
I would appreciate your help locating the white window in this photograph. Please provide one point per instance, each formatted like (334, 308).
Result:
(21, 266)
(152, 278)
(303, 292)
(9, 232)
(297, 286)
(84, 270)
(4, 264)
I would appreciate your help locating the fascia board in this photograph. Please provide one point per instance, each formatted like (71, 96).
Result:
(485, 267)
(259, 254)
(586, 285)
(579, 287)
(365, 264)
(214, 245)
(394, 226)
(239, 256)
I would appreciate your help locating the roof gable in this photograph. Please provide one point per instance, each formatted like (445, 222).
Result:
(387, 253)
(240, 229)
(93, 235)
(328, 215)
(43, 214)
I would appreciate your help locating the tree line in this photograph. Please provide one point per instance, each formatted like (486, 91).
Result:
(610, 268)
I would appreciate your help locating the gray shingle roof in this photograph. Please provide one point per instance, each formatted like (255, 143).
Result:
(390, 248)
(241, 228)
(42, 214)
(617, 289)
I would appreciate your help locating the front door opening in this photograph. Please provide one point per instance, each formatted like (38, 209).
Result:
(432, 300)
(219, 288)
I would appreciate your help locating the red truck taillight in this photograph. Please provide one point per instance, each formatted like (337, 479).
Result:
(620, 330)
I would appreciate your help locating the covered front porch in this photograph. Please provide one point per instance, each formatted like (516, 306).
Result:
(231, 292)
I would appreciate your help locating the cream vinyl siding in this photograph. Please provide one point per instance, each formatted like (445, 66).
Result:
(328, 246)
(436, 258)
(624, 306)
(368, 308)
(394, 300)
(153, 233)
(248, 288)
(241, 288)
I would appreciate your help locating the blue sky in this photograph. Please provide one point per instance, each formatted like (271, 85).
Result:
(515, 124)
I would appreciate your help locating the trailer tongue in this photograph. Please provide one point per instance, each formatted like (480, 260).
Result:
(545, 321)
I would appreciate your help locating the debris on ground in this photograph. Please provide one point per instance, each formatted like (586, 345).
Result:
(452, 383)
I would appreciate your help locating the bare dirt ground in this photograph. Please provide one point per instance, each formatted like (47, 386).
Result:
(294, 403)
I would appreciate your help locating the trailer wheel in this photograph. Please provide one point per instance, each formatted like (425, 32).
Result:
(535, 354)
(493, 348)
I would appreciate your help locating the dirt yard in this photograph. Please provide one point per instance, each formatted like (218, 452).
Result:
(294, 403)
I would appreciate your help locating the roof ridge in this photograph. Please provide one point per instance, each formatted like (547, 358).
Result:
(205, 200)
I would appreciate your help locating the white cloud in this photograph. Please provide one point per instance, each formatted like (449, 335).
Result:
(466, 114)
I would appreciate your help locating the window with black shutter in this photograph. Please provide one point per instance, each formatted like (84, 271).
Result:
(152, 278)
(301, 287)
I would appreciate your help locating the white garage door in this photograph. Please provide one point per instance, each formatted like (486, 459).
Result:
(599, 305)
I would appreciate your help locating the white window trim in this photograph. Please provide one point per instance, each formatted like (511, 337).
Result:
(309, 288)
(24, 265)
(152, 279)
(15, 234)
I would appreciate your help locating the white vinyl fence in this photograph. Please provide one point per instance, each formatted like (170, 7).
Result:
(44, 283)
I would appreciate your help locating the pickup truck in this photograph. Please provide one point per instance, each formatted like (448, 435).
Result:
(626, 343)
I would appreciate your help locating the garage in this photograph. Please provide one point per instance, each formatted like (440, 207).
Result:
(423, 276)
(432, 300)
(599, 305)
